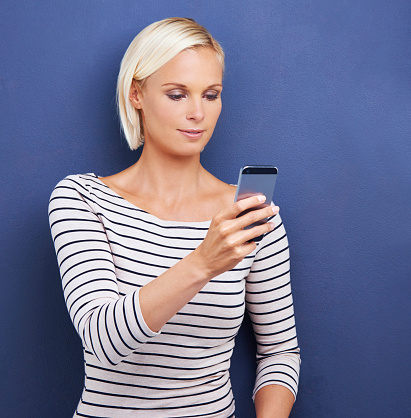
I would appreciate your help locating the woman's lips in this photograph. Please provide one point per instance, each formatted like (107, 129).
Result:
(192, 133)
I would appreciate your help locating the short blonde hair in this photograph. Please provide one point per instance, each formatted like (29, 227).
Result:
(152, 48)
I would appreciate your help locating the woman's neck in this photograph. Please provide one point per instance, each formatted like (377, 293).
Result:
(172, 178)
(172, 188)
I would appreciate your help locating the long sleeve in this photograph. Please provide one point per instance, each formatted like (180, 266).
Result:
(270, 306)
(111, 326)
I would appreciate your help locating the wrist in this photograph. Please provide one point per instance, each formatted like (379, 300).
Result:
(195, 264)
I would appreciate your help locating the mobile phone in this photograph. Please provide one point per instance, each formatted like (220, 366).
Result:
(254, 180)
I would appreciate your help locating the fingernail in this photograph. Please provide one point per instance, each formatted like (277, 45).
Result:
(272, 225)
(275, 209)
(261, 198)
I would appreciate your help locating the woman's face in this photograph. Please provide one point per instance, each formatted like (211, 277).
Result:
(181, 102)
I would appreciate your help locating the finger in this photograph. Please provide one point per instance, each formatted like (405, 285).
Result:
(256, 216)
(256, 231)
(232, 211)
(249, 246)
(245, 236)
(242, 205)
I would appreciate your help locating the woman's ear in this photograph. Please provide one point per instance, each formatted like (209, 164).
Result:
(135, 95)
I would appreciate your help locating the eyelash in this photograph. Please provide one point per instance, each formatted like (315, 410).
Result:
(177, 97)
(211, 97)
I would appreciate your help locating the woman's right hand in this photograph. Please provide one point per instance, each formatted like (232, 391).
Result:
(224, 246)
(227, 242)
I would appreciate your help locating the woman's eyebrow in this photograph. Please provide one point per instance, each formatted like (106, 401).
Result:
(174, 84)
(184, 86)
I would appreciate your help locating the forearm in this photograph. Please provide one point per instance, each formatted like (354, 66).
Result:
(273, 401)
(164, 296)
(225, 245)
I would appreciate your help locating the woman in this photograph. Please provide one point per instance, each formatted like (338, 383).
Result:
(156, 267)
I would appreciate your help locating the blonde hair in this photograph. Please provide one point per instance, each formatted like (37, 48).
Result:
(152, 48)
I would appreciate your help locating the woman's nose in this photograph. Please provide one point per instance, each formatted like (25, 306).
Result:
(195, 110)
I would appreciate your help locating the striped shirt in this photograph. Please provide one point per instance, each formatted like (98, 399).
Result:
(107, 249)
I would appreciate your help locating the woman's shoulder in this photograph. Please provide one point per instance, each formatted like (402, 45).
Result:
(219, 188)
(77, 181)
(76, 191)
(76, 184)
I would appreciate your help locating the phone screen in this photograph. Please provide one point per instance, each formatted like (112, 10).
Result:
(255, 180)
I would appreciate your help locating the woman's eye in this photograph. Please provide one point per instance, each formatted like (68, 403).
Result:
(180, 96)
(176, 96)
(211, 96)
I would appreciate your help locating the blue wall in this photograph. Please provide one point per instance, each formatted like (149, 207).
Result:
(319, 88)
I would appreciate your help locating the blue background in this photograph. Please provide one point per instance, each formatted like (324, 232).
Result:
(319, 88)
